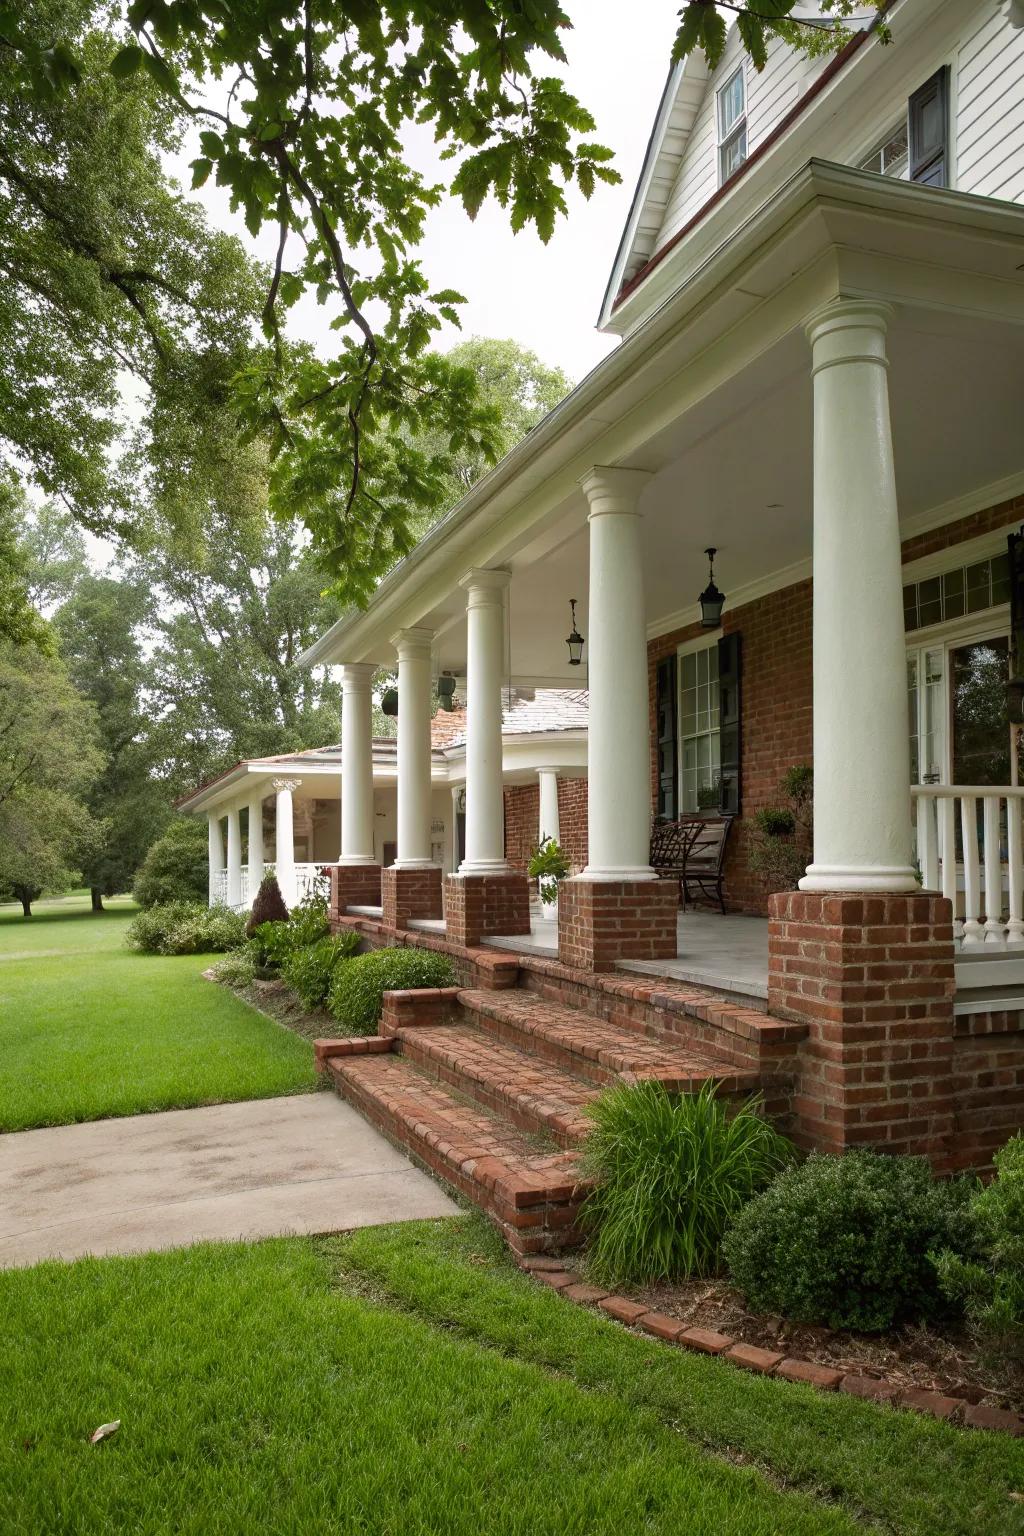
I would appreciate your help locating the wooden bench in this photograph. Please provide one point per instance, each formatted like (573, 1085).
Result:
(692, 851)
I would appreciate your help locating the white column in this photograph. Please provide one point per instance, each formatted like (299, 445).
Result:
(413, 647)
(234, 856)
(215, 845)
(862, 838)
(485, 650)
(548, 822)
(357, 765)
(284, 839)
(618, 745)
(256, 852)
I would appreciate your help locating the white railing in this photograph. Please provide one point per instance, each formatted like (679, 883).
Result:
(219, 887)
(308, 879)
(984, 878)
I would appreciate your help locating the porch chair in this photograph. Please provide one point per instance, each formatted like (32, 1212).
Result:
(692, 851)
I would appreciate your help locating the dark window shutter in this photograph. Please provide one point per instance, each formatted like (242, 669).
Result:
(729, 722)
(928, 131)
(668, 750)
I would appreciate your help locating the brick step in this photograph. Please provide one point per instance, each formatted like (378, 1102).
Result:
(532, 1192)
(533, 1094)
(597, 1050)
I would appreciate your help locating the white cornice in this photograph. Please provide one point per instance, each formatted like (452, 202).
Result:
(964, 506)
(739, 597)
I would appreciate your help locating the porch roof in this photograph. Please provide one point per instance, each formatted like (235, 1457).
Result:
(712, 396)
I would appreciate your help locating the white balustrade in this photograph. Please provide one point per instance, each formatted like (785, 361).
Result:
(219, 888)
(984, 877)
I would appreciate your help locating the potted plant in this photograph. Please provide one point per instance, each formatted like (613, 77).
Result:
(548, 864)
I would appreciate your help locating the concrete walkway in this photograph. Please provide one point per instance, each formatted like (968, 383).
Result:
(308, 1163)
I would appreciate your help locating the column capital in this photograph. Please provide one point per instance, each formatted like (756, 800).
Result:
(289, 784)
(548, 768)
(849, 331)
(484, 586)
(610, 488)
(356, 676)
(413, 644)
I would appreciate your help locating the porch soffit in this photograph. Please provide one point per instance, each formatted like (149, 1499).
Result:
(830, 232)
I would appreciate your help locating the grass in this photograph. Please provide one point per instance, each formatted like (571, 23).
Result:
(89, 1029)
(408, 1380)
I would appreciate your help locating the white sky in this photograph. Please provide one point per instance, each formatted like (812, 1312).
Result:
(545, 297)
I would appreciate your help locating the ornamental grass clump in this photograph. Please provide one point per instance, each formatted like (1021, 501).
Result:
(358, 987)
(671, 1172)
(845, 1241)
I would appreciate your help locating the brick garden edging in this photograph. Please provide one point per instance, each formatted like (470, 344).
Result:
(768, 1362)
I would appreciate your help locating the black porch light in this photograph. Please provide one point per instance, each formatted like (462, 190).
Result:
(711, 600)
(446, 691)
(575, 640)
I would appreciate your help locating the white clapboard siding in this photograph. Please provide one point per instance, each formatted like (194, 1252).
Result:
(989, 129)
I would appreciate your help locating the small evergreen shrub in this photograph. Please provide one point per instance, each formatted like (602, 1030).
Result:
(844, 1241)
(990, 1282)
(185, 928)
(310, 969)
(235, 969)
(176, 868)
(269, 905)
(671, 1171)
(357, 988)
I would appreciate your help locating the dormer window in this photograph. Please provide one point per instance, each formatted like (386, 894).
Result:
(890, 158)
(732, 125)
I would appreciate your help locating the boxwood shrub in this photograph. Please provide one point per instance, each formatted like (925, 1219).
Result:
(845, 1241)
(990, 1283)
(358, 987)
(310, 969)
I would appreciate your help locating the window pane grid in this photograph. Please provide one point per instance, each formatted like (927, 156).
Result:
(968, 589)
(699, 745)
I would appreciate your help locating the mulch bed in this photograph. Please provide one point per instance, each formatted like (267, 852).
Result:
(280, 1003)
(911, 1357)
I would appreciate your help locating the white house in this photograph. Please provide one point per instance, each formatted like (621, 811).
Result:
(820, 299)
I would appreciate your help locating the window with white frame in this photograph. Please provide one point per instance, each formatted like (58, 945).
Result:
(891, 158)
(732, 125)
(699, 744)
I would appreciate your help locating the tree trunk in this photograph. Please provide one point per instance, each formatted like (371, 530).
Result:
(26, 906)
(97, 899)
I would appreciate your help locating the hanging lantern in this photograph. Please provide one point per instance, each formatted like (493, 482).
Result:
(575, 640)
(711, 600)
(389, 702)
(446, 691)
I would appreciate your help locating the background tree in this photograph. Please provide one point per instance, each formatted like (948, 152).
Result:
(100, 629)
(48, 759)
(223, 682)
(108, 275)
(176, 866)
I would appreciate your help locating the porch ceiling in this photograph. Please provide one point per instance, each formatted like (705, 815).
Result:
(713, 397)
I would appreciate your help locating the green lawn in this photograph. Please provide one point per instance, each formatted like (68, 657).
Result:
(88, 1028)
(408, 1380)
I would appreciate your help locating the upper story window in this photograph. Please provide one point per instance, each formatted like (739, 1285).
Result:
(732, 125)
(890, 158)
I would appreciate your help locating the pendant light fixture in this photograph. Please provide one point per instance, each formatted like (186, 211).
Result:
(575, 639)
(711, 600)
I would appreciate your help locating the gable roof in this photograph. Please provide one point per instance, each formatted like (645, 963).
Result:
(680, 102)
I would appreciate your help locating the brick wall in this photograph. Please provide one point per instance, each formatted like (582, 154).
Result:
(777, 689)
(522, 818)
(988, 1085)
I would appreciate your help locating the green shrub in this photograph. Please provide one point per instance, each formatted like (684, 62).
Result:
(671, 1172)
(271, 945)
(309, 970)
(308, 922)
(275, 942)
(990, 1282)
(548, 864)
(176, 868)
(775, 821)
(357, 989)
(236, 969)
(844, 1241)
(185, 928)
(269, 905)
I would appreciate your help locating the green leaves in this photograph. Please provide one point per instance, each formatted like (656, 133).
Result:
(126, 61)
(702, 27)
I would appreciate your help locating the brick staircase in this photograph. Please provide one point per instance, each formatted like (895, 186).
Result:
(487, 1086)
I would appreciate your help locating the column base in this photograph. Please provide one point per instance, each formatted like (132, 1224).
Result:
(354, 885)
(872, 978)
(602, 921)
(410, 893)
(847, 877)
(479, 906)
